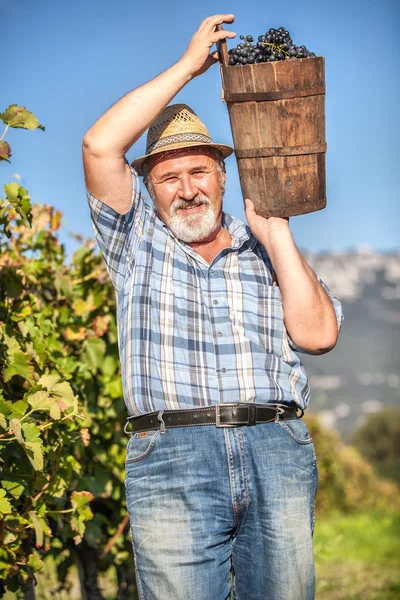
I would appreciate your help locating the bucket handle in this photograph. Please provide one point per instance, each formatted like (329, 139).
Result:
(222, 48)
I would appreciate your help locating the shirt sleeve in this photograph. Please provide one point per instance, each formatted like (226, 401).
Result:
(118, 236)
(338, 312)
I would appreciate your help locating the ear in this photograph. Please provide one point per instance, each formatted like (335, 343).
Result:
(223, 176)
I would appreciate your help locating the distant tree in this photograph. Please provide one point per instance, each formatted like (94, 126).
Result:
(378, 440)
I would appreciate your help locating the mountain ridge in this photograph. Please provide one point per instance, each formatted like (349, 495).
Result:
(361, 374)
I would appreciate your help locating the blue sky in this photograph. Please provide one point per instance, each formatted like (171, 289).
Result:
(68, 62)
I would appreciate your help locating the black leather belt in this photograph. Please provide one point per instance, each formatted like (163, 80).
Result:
(230, 414)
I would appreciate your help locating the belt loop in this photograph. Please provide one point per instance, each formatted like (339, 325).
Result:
(279, 411)
(160, 418)
(125, 430)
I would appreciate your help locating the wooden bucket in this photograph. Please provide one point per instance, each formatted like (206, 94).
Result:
(277, 116)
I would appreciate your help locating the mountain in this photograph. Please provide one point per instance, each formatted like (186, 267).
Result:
(361, 374)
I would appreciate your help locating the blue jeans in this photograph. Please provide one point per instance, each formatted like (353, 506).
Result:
(205, 502)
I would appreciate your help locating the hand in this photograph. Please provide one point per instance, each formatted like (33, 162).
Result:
(198, 56)
(261, 227)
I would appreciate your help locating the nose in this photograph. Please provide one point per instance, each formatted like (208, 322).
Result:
(187, 189)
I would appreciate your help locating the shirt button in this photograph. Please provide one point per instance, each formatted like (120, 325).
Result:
(215, 301)
(211, 270)
(223, 370)
(219, 333)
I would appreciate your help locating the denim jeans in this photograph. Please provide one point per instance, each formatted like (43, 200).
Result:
(205, 502)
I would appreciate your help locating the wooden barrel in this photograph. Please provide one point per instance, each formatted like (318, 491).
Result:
(277, 116)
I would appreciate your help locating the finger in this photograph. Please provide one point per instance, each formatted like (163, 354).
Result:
(211, 22)
(214, 57)
(223, 34)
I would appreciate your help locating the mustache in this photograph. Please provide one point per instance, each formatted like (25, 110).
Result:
(196, 201)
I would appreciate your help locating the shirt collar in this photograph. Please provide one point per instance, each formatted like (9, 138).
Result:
(241, 233)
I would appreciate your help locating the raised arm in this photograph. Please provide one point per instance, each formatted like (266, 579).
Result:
(104, 146)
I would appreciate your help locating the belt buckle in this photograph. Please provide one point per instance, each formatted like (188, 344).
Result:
(218, 414)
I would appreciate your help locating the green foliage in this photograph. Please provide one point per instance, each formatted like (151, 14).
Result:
(378, 440)
(21, 118)
(61, 405)
(347, 483)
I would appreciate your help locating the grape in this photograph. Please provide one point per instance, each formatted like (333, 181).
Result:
(274, 45)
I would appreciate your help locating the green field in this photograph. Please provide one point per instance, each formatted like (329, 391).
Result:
(357, 558)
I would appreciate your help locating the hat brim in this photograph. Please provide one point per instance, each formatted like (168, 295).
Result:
(138, 163)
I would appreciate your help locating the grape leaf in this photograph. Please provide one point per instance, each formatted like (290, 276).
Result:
(101, 324)
(35, 562)
(9, 537)
(75, 333)
(18, 409)
(38, 528)
(15, 426)
(3, 421)
(12, 485)
(31, 432)
(5, 407)
(12, 346)
(47, 381)
(34, 451)
(20, 200)
(81, 307)
(22, 366)
(12, 281)
(59, 397)
(40, 400)
(5, 151)
(110, 365)
(19, 117)
(82, 512)
(5, 506)
(94, 353)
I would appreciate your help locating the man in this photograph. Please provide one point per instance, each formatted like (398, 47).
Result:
(209, 313)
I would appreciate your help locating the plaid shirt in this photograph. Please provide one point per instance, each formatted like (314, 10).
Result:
(193, 334)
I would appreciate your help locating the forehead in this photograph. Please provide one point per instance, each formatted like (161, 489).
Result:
(181, 160)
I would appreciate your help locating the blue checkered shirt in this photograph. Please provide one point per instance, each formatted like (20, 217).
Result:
(193, 334)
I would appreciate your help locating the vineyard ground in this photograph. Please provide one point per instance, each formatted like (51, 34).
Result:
(357, 558)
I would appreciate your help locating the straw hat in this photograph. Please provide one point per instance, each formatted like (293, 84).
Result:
(177, 126)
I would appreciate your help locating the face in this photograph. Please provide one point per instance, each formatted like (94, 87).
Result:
(188, 189)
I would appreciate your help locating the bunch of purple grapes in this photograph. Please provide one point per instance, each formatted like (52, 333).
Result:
(275, 44)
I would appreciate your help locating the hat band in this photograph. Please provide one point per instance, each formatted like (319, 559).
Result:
(177, 139)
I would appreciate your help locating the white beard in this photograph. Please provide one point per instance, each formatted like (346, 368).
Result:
(192, 227)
